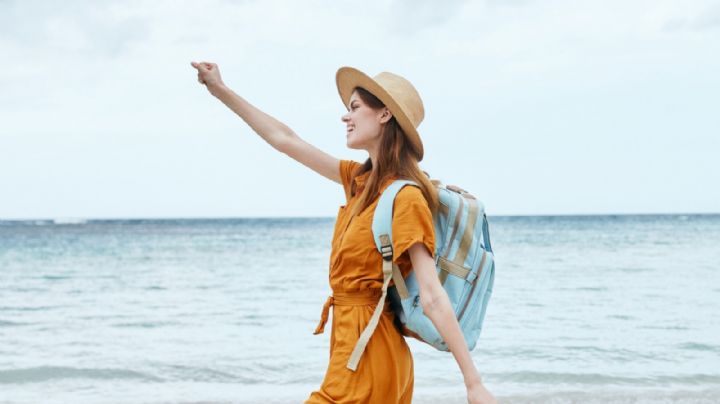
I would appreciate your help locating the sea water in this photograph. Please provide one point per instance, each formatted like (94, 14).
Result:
(585, 309)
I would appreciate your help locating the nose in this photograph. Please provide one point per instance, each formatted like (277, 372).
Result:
(345, 117)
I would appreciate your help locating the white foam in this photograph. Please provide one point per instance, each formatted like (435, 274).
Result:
(69, 220)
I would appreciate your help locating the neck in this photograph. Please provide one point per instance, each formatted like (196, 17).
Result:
(373, 153)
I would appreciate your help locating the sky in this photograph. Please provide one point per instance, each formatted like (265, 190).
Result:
(551, 107)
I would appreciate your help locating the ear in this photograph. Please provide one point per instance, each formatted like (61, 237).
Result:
(386, 115)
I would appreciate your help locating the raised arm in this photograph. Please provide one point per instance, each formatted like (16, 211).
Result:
(274, 132)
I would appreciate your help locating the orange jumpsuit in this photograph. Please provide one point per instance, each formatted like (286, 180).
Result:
(385, 372)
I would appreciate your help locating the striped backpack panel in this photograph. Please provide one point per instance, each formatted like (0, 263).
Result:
(464, 262)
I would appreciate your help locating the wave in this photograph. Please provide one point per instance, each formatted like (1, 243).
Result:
(604, 379)
(48, 373)
(7, 323)
(616, 397)
(27, 308)
(696, 346)
(69, 220)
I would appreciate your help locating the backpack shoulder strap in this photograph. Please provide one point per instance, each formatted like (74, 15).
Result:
(382, 230)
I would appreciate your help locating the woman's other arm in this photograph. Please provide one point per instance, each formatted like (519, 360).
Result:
(436, 305)
(274, 132)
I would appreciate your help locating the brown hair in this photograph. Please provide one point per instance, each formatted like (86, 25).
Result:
(399, 158)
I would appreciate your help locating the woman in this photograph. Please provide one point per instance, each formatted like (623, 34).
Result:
(383, 115)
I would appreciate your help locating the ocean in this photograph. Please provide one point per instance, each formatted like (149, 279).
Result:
(585, 309)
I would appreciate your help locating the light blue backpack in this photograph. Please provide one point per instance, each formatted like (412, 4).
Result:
(464, 261)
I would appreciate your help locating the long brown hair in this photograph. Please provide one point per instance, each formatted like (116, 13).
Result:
(398, 158)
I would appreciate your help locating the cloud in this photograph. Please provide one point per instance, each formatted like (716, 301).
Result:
(76, 27)
(705, 20)
(409, 16)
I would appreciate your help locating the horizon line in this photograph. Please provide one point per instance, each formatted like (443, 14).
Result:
(70, 219)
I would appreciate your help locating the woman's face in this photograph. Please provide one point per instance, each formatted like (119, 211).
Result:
(363, 124)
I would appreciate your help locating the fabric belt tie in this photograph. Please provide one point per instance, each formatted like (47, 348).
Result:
(361, 298)
(367, 297)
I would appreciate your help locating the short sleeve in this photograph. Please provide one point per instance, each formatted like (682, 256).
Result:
(347, 168)
(412, 223)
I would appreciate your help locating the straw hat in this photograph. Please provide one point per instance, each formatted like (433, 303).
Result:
(398, 95)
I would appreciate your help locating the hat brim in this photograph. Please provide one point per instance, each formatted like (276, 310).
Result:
(347, 78)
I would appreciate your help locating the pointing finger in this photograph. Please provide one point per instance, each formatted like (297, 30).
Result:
(200, 66)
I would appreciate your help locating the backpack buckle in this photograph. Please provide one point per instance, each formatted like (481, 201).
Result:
(386, 247)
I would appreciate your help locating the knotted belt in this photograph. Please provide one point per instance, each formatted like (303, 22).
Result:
(367, 297)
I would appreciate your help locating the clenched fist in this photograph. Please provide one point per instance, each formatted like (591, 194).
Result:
(208, 74)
